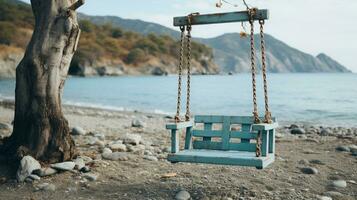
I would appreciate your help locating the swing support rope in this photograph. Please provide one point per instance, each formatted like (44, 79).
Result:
(187, 37)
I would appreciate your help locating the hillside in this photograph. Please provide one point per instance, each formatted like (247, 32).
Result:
(103, 49)
(231, 53)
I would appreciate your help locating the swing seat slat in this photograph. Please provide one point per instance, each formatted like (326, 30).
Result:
(223, 146)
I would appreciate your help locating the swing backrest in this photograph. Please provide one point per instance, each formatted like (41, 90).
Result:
(224, 133)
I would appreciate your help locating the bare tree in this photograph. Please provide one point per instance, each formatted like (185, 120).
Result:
(40, 128)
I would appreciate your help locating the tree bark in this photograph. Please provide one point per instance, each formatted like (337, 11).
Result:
(40, 128)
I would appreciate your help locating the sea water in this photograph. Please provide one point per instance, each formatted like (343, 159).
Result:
(329, 99)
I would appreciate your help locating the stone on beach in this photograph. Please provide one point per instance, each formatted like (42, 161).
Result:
(106, 151)
(45, 172)
(309, 170)
(116, 156)
(339, 183)
(297, 131)
(78, 131)
(183, 195)
(118, 147)
(79, 163)
(27, 165)
(133, 139)
(137, 123)
(151, 158)
(64, 166)
(91, 177)
(343, 148)
(46, 187)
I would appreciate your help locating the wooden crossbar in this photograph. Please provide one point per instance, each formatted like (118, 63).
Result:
(218, 18)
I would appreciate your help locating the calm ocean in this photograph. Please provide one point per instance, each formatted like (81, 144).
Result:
(329, 99)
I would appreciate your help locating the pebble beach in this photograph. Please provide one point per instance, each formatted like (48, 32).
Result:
(122, 155)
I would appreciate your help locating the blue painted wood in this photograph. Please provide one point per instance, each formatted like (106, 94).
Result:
(264, 127)
(225, 147)
(272, 141)
(247, 127)
(206, 133)
(241, 16)
(207, 127)
(226, 133)
(218, 146)
(188, 138)
(222, 157)
(265, 143)
(244, 135)
(175, 141)
(180, 125)
(219, 119)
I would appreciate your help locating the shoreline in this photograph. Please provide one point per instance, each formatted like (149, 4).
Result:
(74, 109)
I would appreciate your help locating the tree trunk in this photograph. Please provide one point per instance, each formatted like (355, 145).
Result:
(40, 128)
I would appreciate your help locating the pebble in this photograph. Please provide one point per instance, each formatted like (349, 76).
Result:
(85, 169)
(292, 126)
(339, 183)
(297, 131)
(183, 195)
(100, 136)
(151, 158)
(166, 150)
(343, 148)
(309, 170)
(324, 198)
(79, 163)
(78, 131)
(34, 177)
(107, 150)
(133, 139)
(118, 147)
(46, 187)
(326, 132)
(64, 166)
(27, 165)
(86, 159)
(91, 177)
(137, 123)
(304, 162)
(333, 194)
(116, 156)
(45, 172)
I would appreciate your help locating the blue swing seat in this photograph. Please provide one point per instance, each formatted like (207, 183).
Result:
(225, 146)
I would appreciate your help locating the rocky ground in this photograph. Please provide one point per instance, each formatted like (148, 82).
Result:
(123, 156)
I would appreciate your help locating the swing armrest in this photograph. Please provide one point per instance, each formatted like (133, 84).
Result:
(264, 126)
(179, 125)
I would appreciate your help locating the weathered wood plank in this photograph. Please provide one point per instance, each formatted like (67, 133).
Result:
(272, 141)
(222, 157)
(264, 127)
(188, 138)
(204, 133)
(246, 127)
(244, 135)
(218, 146)
(179, 125)
(207, 127)
(175, 141)
(226, 133)
(215, 18)
(265, 143)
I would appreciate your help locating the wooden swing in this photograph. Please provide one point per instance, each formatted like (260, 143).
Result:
(254, 143)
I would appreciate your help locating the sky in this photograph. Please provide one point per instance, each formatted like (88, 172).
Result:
(312, 26)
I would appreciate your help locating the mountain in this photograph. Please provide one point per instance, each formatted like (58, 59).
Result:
(231, 52)
(104, 49)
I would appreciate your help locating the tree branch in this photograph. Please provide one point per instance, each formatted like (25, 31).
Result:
(76, 5)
